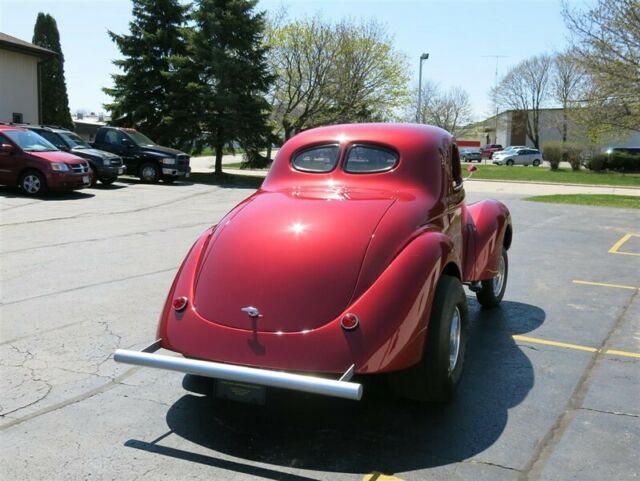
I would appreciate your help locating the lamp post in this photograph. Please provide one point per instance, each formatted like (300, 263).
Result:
(424, 56)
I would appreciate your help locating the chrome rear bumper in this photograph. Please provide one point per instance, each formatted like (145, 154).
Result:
(341, 388)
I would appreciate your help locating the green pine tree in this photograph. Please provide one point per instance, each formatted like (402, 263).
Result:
(53, 88)
(228, 59)
(150, 95)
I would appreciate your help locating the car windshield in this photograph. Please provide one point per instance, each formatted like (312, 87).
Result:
(74, 141)
(30, 141)
(140, 139)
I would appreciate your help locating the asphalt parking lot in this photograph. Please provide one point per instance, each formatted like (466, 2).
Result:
(551, 390)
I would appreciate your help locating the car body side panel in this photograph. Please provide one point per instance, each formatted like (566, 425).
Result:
(487, 222)
(393, 314)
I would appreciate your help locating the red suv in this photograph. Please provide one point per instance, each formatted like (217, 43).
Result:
(488, 150)
(31, 163)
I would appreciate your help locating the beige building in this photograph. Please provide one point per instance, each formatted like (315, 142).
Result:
(19, 80)
(511, 130)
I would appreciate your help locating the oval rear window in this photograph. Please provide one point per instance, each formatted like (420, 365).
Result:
(317, 159)
(363, 159)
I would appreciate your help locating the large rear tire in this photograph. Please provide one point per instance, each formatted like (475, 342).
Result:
(493, 289)
(436, 377)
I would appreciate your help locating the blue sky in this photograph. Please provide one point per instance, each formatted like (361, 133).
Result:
(456, 34)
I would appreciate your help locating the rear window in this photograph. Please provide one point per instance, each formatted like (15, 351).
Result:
(317, 159)
(368, 158)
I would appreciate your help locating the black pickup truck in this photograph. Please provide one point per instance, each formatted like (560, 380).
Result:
(142, 156)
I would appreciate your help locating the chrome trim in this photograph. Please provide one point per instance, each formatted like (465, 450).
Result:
(251, 311)
(228, 372)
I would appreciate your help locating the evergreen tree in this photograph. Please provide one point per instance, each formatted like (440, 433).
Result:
(150, 94)
(53, 88)
(228, 59)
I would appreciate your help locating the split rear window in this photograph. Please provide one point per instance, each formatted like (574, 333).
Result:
(360, 159)
(363, 159)
(317, 159)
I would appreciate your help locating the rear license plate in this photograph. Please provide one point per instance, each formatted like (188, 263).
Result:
(85, 180)
(237, 391)
(187, 174)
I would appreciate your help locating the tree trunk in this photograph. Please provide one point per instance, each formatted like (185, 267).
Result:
(269, 145)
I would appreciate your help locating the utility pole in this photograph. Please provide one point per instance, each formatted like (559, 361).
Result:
(495, 92)
(423, 57)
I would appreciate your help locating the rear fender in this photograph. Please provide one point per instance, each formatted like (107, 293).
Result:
(404, 293)
(488, 222)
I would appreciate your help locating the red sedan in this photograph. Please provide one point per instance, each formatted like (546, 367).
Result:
(349, 260)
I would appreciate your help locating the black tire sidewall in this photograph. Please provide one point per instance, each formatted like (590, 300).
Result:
(441, 384)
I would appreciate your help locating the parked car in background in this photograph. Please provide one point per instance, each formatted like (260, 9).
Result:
(518, 157)
(34, 165)
(488, 150)
(142, 156)
(469, 154)
(105, 166)
(511, 148)
(341, 264)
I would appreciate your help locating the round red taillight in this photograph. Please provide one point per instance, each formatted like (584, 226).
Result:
(179, 303)
(349, 321)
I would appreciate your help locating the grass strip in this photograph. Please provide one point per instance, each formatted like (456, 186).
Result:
(601, 200)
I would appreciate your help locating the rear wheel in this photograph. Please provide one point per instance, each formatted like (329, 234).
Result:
(149, 172)
(107, 181)
(536, 163)
(436, 377)
(493, 289)
(33, 182)
(510, 162)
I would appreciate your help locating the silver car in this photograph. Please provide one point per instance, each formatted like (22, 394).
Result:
(524, 156)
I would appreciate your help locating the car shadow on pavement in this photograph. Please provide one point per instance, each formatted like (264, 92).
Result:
(12, 193)
(378, 433)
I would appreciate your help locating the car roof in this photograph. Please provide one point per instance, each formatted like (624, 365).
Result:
(6, 127)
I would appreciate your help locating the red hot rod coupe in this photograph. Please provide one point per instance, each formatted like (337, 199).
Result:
(350, 259)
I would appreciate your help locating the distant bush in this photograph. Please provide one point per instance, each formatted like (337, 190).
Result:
(552, 153)
(556, 151)
(596, 162)
(623, 162)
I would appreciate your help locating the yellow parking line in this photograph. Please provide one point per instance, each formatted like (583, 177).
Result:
(375, 476)
(577, 347)
(604, 284)
(617, 245)
(566, 345)
(613, 352)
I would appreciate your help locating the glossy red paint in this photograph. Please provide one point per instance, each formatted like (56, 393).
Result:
(308, 248)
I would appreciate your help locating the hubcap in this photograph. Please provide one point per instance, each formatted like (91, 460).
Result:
(498, 280)
(31, 184)
(454, 340)
(148, 173)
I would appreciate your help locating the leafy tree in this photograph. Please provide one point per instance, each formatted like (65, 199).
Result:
(329, 73)
(228, 60)
(150, 94)
(53, 88)
(607, 47)
(568, 83)
(525, 89)
(448, 109)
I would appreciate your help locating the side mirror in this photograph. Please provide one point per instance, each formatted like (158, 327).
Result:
(7, 148)
(64, 148)
(471, 169)
(127, 143)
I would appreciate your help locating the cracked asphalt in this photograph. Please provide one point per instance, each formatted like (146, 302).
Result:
(83, 274)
